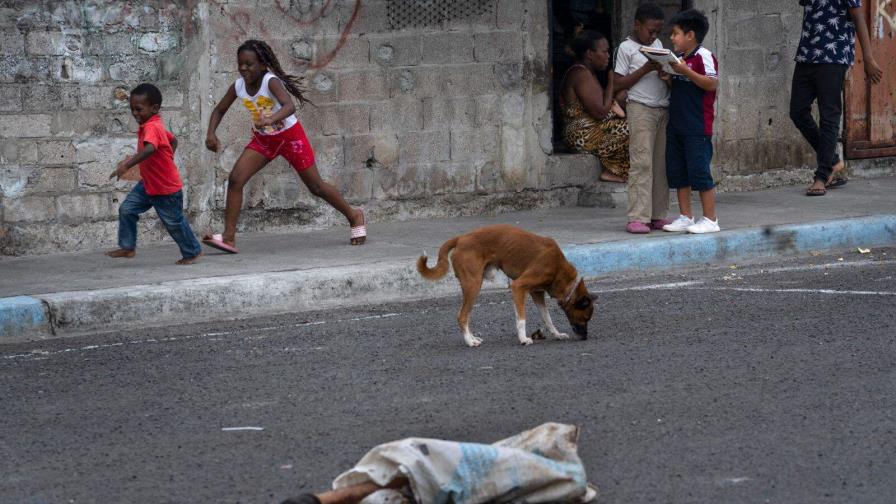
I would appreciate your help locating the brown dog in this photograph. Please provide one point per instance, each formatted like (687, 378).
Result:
(535, 265)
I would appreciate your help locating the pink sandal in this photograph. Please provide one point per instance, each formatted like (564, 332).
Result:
(360, 231)
(217, 241)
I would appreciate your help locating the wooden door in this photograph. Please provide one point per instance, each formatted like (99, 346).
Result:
(870, 110)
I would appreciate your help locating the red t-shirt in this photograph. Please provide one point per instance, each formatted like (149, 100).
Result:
(158, 171)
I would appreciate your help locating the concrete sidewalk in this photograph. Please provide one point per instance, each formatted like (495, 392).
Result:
(67, 294)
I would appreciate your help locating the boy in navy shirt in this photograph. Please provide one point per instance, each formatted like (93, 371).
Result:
(826, 50)
(691, 113)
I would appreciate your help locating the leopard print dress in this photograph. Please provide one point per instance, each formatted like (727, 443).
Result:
(607, 138)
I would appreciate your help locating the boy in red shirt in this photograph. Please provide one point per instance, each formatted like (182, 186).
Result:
(161, 185)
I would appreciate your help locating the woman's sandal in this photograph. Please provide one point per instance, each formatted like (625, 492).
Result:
(359, 233)
(816, 191)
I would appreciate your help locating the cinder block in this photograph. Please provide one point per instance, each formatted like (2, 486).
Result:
(25, 125)
(24, 69)
(329, 153)
(363, 86)
(478, 145)
(75, 208)
(334, 52)
(372, 17)
(488, 110)
(757, 31)
(510, 14)
(81, 70)
(498, 46)
(445, 113)
(467, 80)
(29, 209)
(56, 152)
(422, 147)
(10, 98)
(134, 69)
(39, 97)
(11, 42)
(52, 180)
(45, 43)
(364, 150)
(109, 43)
(452, 47)
(402, 113)
(337, 119)
(396, 50)
(401, 181)
(452, 178)
(157, 42)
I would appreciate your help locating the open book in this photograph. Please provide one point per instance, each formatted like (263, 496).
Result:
(661, 55)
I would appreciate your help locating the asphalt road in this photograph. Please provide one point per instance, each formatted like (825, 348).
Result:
(757, 383)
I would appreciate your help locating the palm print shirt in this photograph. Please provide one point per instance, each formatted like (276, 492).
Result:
(829, 34)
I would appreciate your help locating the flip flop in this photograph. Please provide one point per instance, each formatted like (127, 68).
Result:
(836, 182)
(816, 192)
(217, 241)
(360, 231)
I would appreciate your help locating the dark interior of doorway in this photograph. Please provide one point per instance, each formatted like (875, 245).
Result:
(602, 15)
(569, 17)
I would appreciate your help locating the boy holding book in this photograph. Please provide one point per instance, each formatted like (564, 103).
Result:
(691, 112)
(648, 114)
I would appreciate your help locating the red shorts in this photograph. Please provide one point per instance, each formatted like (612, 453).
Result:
(291, 143)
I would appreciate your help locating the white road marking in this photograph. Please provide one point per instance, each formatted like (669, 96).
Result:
(210, 336)
(733, 481)
(234, 429)
(801, 291)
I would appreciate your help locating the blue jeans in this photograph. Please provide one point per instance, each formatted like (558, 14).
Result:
(171, 213)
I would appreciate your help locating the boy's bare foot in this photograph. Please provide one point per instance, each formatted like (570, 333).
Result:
(128, 254)
(606, 176)
(189, 260)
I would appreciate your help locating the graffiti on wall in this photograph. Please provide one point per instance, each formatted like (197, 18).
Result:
(884, 15)
(239, 23)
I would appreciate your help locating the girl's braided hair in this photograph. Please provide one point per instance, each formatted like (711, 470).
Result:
(294, 84)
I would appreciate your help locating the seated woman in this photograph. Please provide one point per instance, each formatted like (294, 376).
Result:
(593, 122)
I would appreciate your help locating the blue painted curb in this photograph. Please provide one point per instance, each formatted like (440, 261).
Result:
(682, 250)
(22, 314)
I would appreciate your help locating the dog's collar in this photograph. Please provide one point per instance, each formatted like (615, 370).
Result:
(572, 289)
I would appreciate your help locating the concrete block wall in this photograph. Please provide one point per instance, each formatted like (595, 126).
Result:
(443, 118)
(64, 120)
(756, 144)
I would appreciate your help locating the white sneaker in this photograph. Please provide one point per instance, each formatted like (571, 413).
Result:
(704, 225)
(680, 224)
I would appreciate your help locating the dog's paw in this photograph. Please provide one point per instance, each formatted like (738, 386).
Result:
(473, 342)
(561, 336)
(526, 341)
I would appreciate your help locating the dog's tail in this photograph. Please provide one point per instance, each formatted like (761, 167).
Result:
(441, 267)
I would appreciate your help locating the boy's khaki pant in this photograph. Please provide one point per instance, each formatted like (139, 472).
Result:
(648, 190)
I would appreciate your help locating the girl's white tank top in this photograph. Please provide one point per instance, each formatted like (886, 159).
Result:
(263, 102)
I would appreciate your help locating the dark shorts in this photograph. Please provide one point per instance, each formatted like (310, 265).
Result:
(292, 144)
(687, 161)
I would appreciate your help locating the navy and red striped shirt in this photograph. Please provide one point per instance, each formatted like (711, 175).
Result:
(692, 109)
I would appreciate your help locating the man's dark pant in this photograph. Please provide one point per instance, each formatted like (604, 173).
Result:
(171, 213)
(825, 83)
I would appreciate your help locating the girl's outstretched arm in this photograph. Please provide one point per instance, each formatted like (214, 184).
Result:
(287, 107)
(211, 140)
